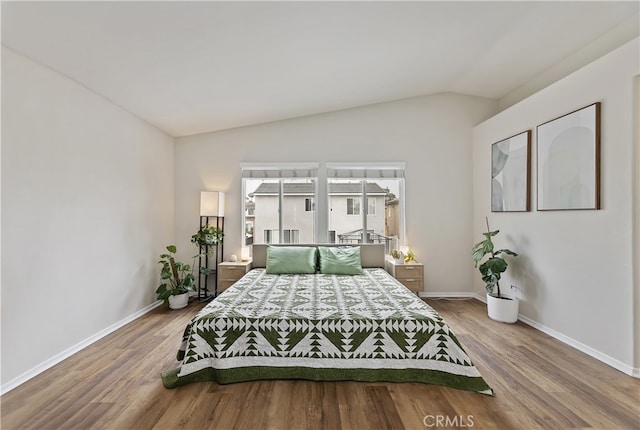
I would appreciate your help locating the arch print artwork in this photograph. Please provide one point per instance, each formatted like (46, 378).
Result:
(568, 174)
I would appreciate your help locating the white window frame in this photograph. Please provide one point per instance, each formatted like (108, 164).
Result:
(322, 174)
(370, 172)
(280, 172)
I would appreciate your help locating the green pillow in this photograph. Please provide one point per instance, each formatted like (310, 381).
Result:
(291, 260)
(340, 260)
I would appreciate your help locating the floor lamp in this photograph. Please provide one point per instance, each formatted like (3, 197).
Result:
(211, 215)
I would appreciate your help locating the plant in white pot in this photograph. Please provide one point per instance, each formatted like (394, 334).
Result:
(397, 255)
(177, 280)
(499, 306)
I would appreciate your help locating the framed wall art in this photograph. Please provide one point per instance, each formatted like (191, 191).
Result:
(510, 173)
(568, 175)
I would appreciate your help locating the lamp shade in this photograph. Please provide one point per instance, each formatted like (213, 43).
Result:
(211, 203)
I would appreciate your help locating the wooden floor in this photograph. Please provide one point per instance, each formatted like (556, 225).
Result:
(115, 384)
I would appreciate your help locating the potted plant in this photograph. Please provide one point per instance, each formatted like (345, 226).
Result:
(398, 256)
(177, 280)
(499, 306)
(205, 239)
(207, 236)
(410, 257)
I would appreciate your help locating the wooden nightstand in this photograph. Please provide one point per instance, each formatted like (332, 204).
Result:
(230, 271)
(411, 275)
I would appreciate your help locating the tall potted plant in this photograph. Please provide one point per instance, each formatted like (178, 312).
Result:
(177, 280)
(499, 306)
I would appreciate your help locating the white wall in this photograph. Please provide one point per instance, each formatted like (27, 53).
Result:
(87, 205)
(575, 267)
(432, 134)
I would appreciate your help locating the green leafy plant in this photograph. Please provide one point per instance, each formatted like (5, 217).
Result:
(207, 235)
(397, 255)
(204, 239)
(494, 266)
(177, 278)
(409, 257)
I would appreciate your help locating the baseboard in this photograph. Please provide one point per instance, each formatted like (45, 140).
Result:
(445, 295)
(616, 364)
(482, 298)
(21, 379)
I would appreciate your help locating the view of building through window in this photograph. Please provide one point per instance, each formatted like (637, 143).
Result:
(265, 222)
(263, 219)
(348, 223)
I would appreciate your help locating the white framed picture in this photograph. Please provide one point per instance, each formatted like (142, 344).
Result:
(510, 173)
(568, 174)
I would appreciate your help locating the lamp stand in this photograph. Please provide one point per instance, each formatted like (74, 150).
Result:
(210, 256)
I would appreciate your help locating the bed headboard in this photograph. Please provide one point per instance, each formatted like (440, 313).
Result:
(371, 254)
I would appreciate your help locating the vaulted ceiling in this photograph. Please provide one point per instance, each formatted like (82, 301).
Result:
(193, 67)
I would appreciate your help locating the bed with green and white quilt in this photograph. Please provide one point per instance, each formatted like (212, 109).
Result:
(322, 327)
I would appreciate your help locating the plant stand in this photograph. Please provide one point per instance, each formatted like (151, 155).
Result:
(209, 261)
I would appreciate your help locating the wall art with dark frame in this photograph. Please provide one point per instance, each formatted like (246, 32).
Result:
(510, 173)
(568, 174)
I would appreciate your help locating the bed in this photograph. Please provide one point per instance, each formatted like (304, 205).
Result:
(322, 313)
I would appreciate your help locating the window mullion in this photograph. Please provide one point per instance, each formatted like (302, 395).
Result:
(364, 209)
(321, 215)
(280, 211)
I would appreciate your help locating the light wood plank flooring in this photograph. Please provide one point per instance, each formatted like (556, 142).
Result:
(115, 384)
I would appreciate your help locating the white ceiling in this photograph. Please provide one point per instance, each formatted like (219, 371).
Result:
(193, 67)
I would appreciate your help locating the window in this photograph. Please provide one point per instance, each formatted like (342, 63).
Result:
(371, 211)
(309, 204)
(279, 203)
(291, 236)
(360, 203)
(268, 236)
(353, 206)
(365, 204)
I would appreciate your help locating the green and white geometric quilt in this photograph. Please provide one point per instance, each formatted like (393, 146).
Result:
(322, 327)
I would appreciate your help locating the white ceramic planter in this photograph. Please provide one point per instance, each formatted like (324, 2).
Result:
(178, 302)
(504, 309)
